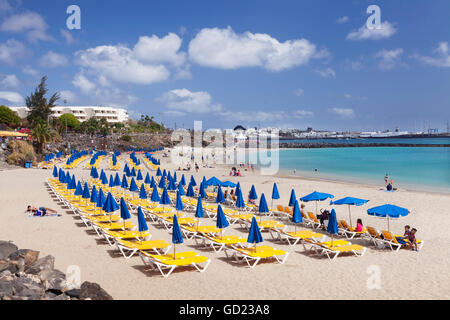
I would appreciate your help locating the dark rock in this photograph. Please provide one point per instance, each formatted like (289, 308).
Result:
(60, 297)
(93, 291)
(73, 293)
(6, 288)
(26, 287)
(46, 263)
(6, 248)
(29, 256)
(53, 279)
(11, 266)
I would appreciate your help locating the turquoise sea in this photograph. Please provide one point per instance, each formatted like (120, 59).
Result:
(420, 168)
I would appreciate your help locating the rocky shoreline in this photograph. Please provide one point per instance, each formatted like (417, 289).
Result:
(25, 276)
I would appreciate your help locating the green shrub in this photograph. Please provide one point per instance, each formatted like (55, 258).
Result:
(125, 138)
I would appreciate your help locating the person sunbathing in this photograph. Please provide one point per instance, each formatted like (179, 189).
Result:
(42, 211)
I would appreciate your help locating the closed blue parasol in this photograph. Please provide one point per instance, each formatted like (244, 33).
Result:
(388, 211)
(253, 195)
(155, 195)
(177, 237)
(104, 179)
(152, 183)
(110, 204)
(94, 195)
(126, 168)
(350, 201)
(193, 181)
(240, 203)
(332, 227)
(139, 175)
(263, 208)
(296, 215)
(143, 192)
(222, 221)
(220, 198)
(183, 180)
(124, 213)
(180, 189)
(164, 197)
(175, 176)
(101, 199)
(292, 199)
(162, 183)
(111, 181)
(124, 184)
(202, 192)
(179, 203)
(199, 212)
(275, 194)
(147, 179)
(158, 172)
(190, 190)
(78, 189)
(133, 186)
(142, 223)
(172, 186)
(86, 194)
(117, 182)
(55, 172)
(94, 173)
(254, 235)
(133, 172)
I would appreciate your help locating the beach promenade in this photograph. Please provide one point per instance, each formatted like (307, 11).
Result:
(402, 275)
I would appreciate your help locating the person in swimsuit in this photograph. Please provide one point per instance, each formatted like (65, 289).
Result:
(42, 211)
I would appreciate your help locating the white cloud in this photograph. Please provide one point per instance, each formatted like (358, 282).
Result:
(343, 113)
(53, 60)
(388, 58)
(68, 96)
(30, 23)
(441, 57)
(5, 6)
(84, 84)
(119, 64)
(183, 101)
(353, 65)
(299, 92)
(160, 50)
(350, 96)
(225, 49)
(30, 71)
(12, 50)
(9, 81)
(300, 114)
(11, 97)
(387, 30)
(326, 73)
(67, 36)
(343, 19)
(254, 116)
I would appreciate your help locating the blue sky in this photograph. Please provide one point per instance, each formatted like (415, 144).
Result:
(257, 63)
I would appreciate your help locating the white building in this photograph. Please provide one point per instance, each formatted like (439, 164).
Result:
(112, 115)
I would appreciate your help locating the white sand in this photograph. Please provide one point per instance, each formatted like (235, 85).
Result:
(404, 275)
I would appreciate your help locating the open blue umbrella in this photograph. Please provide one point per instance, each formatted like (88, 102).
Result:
(133, 186)
(222, 221)
(228, 184)
(124, 213)
(94, 195)
(193, 181)
(254, 235)
(139, 175)
(292, 198)
(350, 201)
(263, 208)
(190, 190)
(177, 237)
(296, 215)
(213, 182)
(316, 196)
(253, 195)
(142, 192)
(147, 179)
(183, 180)
(158, 172)
(275, 193)
(55, 172)
(332, 227)
(179, 203)
(155, 195)
(388, 211)
(220, 198)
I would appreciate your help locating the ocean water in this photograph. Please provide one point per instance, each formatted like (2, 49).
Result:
(436, 140)
(420, 168)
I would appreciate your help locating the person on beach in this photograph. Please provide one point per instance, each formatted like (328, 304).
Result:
(412, 239)
(196, 167)
(251, 201)
(42, 211)
(233, 197)
(386, 179)
(295, 171)
(405, 235)
(359, 225)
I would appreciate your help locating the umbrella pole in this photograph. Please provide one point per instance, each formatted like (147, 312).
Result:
(350, 216)
(174, 245)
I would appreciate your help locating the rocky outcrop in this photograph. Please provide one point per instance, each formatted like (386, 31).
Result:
(25, 276)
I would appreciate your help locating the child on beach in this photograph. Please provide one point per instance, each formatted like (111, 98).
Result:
(412, 239)
(359, 225)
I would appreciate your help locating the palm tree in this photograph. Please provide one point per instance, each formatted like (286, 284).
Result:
(43, 134)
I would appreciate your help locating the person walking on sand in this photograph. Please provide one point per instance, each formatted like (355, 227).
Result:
(386, 179)
(295, 171)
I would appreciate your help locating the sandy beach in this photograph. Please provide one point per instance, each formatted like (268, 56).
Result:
(403, 275)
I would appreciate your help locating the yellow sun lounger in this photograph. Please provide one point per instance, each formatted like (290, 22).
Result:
(170, 262)
(129, 248)
(292, 238)
(218, 243)
(191, 231)
(332, 252)
(252, 256)
(112, 236)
